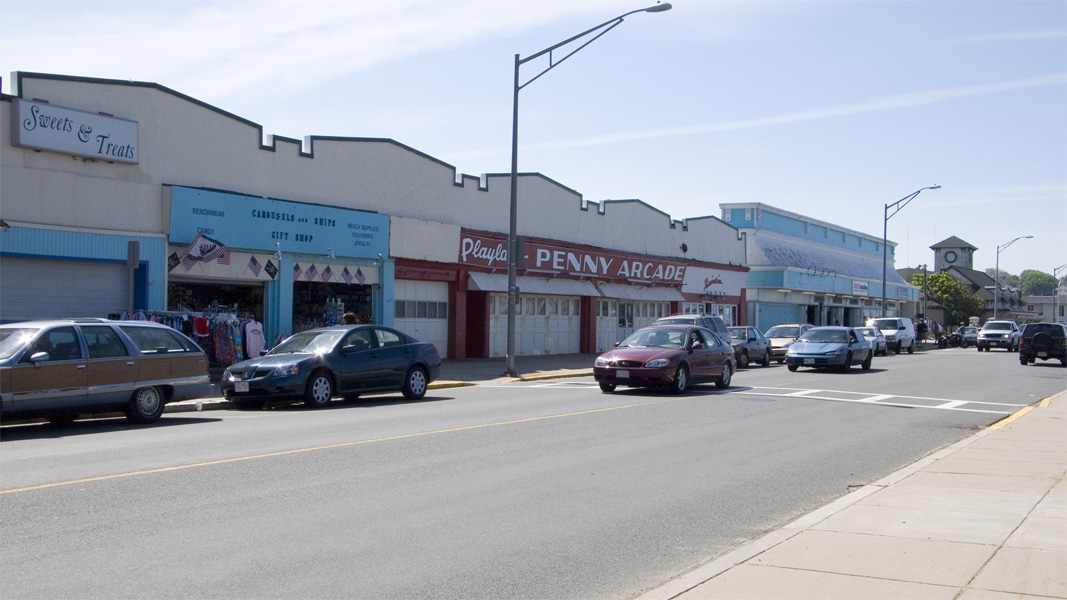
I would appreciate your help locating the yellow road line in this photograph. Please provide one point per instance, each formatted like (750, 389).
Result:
(327, 447)
(1012, 418)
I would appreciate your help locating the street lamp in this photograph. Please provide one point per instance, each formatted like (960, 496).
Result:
(1056, 293)
(996, 281)
(897, 206)
(513, 252)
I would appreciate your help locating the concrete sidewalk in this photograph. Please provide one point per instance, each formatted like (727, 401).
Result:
(983, 518)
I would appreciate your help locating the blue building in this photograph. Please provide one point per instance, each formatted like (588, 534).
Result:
(804, 270)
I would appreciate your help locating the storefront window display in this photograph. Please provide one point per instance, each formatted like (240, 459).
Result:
(320, 304)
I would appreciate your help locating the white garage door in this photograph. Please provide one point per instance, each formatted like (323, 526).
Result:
(421, 309)
(36, 288)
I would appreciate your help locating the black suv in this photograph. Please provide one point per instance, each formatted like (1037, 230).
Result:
(1043, 340)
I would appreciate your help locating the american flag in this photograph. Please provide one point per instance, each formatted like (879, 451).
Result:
(204, 249)
(310, 273)
(296, 271)
(346, 275)
(359, 276)
(327, 274)
(254, 265)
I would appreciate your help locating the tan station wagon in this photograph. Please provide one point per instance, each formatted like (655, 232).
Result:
(62, 368)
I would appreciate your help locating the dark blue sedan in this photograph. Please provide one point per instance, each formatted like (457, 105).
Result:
(830, 348)
(347, 360)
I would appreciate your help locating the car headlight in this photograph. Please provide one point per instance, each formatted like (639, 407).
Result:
(227, 375)
(286, 370)
(791, 351)
(835, 353)
(657, 363)
(600, 362)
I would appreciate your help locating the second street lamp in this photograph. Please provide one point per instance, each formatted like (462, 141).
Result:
(897, 206)
(996, 280)
(513, 251)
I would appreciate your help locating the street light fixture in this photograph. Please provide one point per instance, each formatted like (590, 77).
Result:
(996, 281)
(1056, 294)
(897, 206)
(513, 252)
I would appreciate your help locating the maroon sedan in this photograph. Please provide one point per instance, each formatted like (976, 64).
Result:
(671, 356)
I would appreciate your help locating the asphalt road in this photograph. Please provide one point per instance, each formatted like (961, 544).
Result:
(536, 490)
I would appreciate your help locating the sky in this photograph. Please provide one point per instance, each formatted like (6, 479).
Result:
(832, 109)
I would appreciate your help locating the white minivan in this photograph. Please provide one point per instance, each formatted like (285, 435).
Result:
(899, 333)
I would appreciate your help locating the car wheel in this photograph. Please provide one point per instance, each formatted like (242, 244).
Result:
(319, 390)
(767, 359)
(1023, 361)
(607, 388)
(792, 368)
(866, 366)
(848, 363)
(742, 360)
(964, 344)
(145, 406)
(681, 380)
(415, 384)
(723, 381)
(911, 348)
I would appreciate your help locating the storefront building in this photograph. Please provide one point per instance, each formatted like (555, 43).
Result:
(808, 271)
(129, 199)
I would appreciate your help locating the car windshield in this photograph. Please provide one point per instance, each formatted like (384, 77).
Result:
(657, 338)
(885, 324)
(315, 342)
(783, 332)
(739, 333)
(825, 336)
(13, 339)
(997, 327)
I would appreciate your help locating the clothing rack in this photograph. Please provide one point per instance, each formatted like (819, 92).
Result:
(227, 336)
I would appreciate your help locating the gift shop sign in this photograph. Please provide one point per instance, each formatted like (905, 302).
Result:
(43, 126)
(549, 258)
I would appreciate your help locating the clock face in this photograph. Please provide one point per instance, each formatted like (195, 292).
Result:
(950, 257)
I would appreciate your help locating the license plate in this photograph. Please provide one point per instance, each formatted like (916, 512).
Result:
(622, 374)
(809, 361)
(240, 386)
(1042, 354)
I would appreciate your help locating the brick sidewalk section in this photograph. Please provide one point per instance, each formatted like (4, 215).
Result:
(983, 518)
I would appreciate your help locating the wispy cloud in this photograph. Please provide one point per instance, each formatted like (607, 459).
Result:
(1013, 36)
(896, 102)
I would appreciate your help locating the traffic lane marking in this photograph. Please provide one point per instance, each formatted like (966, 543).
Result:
(337, 445)
(884, 399)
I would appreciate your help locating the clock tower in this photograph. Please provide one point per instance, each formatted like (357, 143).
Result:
(953, 252)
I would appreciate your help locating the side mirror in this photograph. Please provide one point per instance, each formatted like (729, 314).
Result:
(38, 357)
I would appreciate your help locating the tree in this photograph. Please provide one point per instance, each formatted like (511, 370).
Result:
(1036, 283)
(947, 291)
(1005, 278)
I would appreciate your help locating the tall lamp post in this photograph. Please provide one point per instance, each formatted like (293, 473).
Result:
(897, 207)
(996, 280)
(513, 250)
(1056, 294)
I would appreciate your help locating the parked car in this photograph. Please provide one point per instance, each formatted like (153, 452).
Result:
(750, 345)
(998, 334)
(345, 360)
(899, 332)
(968, 336)
(782, 336)
(715, 324)
(877, 339)
(60, 369)
(1045, 341)
(671, 356)
(830, 347)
